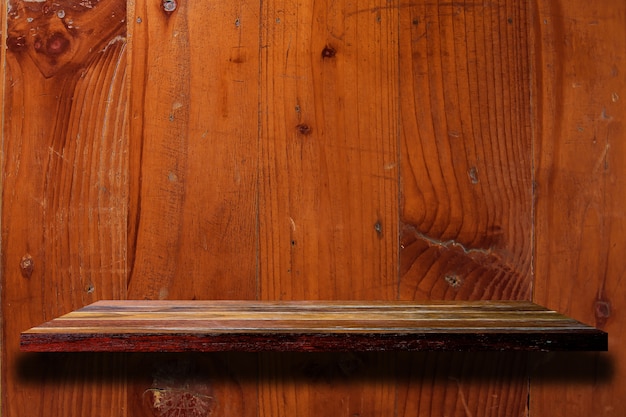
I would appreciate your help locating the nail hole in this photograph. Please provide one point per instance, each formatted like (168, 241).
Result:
(304, 129)
(454, 281)
(328, 52)
(379, 228)
(169, 5)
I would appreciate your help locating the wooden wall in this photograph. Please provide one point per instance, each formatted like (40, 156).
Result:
(580, 193)
(313, 150)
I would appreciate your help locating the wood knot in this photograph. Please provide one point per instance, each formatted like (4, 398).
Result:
(16, 43)
(602, 311)
(27, 266)
(57, 44)
(329, 52)
(304, 129)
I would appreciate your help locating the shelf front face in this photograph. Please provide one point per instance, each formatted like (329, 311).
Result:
(311, 326)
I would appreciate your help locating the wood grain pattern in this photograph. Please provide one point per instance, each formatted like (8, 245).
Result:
(279, 150)
(466, 207)
(463, 384)
(580, 55)
(64, 191)
(466, 196)
(328, 182)
(193, 203)
(158, 326)
(328, 213)
(194, 146)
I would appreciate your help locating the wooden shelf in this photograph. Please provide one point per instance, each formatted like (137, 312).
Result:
(177, 326)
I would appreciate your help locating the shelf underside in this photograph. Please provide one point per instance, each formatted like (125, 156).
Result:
(206, 326)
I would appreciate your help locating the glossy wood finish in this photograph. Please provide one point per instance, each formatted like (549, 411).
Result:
(273, 150)
(466, 196)
(329, 152)
(193, 182)
(328, 214)
(207, 326)
(580, 51)
(64, 190)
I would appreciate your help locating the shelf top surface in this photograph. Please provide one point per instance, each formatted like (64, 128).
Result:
(145, 325)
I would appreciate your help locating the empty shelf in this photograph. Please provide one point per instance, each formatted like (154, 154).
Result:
(206, 326)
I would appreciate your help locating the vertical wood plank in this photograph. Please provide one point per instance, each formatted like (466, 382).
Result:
(466, 204)
(580, 55)
(193, 202)
(328, 196)
(64, 195)
(189, 385)
(3, 60)
(194, 145)
(466, 189)
(462, 384)
(335, 384)
(328, 214)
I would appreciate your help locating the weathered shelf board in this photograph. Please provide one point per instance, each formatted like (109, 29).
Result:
(176, 326)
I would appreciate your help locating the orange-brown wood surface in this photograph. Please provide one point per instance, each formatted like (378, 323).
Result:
(466, 175)
(466, 207)
(64, 195)
(326, 149)
(580, 55)
(193, 185)
(329, 178)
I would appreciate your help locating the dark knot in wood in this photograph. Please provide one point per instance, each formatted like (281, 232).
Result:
(329, 52)
(304, 129)
(16, 43)
(27, 265)
(57, 44)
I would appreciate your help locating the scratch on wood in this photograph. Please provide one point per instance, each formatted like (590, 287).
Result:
(53, 151)
(468, 413)
(450, 244)
(413, 4)
(602, 160)
(473, 175)
(113, 41)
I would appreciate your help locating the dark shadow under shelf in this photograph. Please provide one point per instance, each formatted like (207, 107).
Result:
(311, 326)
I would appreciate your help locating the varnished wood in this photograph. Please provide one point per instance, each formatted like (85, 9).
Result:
(64, 192)
(466, 186)
(169, 326)
(271, 150)
(466, 206)
(328, 149)
(580, 55)
(194, 151)
(193, 174)
(328, 217)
